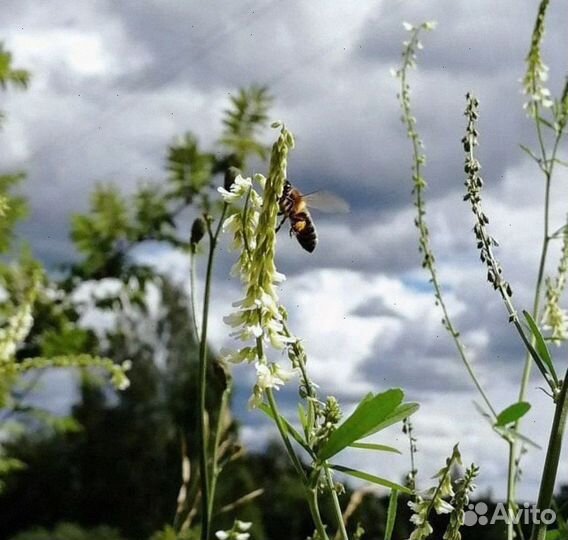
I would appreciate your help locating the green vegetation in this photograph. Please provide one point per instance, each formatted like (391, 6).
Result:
(150, 448)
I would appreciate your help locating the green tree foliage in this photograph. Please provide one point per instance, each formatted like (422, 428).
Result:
(126, 456)
(9, 75)
(13, 207)
(242, 123)
(158, 211)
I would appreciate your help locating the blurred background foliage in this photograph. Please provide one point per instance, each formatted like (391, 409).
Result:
(111, 468)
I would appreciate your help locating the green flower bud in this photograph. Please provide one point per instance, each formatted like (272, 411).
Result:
(230, 175)
(197, 232)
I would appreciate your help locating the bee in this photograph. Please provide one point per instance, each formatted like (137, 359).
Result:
(294, 206)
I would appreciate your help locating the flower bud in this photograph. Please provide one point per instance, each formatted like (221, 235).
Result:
(197, 232)
(230, 175)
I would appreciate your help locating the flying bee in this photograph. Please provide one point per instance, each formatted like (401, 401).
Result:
(294, 206)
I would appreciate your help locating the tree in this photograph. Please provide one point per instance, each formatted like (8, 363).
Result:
(126, 457)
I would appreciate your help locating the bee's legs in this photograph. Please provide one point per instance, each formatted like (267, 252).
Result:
(281, 223)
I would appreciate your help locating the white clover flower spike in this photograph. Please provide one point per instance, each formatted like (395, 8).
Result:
(252, 221)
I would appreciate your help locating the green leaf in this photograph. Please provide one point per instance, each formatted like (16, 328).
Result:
(373, 446)
(400, 413)
(391, 514)
(370, 413)
(371, 478)
(541, 346)
(512, 413)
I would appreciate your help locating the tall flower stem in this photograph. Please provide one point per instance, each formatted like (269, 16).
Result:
(546, 164)
(215, 469)
(418, 160)
(312, 496)
(552, 458)
(538, 96)
(192, 298)
(311, 492)
(336, 505)
(203, 462)
(308, 387)
(474, 184)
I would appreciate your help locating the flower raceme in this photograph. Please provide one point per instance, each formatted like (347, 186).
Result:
(252, 221)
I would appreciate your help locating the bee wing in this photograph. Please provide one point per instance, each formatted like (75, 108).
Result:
(326, 201)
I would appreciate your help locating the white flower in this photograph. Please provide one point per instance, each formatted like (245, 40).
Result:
(243, 525)
(17, 329)
(407, 26)
(442, 507)
(267, 377)
(222, 535)
(242, 536)
(246, 354)
(422, 532)
(239, 189)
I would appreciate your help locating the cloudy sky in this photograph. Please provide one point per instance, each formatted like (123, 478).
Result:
(115, 82)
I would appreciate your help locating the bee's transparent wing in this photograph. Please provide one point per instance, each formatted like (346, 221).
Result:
(326, 201)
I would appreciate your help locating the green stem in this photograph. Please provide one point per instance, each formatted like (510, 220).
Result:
(552, 459)
(203, 465)
(285, 439)
(336, 505)
(511, 472)
(311, 414)
(193, 296)
(316, 516)
(311, 493)
(440, 484)
(419, 185)
(215, 469)
(548, 167)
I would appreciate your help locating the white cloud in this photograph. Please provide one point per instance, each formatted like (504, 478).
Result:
(114, 82)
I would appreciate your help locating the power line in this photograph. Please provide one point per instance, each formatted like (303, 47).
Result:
(335, 43)
(177, 58)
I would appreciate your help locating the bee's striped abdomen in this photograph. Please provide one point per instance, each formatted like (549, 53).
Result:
(305, 231)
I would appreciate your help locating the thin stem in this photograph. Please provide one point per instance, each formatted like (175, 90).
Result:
(314, 509)
(311, 493)
(309, 389)
(203, 465)
(412, 450)
(285, 439)
(511, 472)
(440, 484)
(192, 297)
(339, 514)
(548, 169)
(216, 470)
(552, 459)
(424, 243)
(311, 396)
